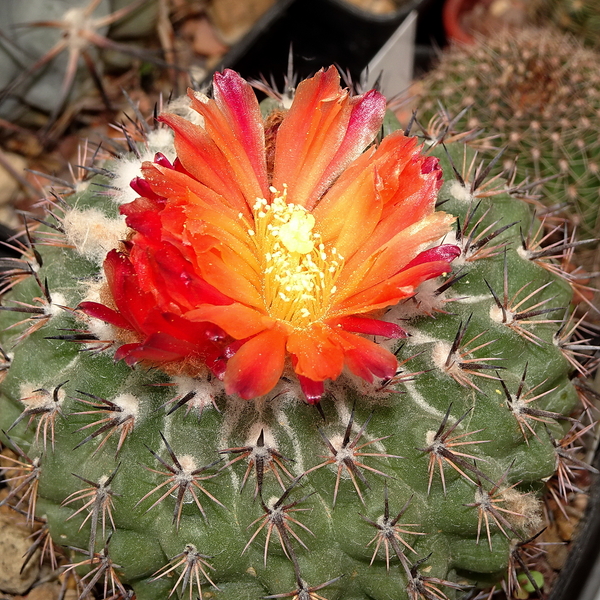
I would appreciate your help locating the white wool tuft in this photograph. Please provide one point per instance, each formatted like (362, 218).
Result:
(159, 140)
(205, 391)
(129, 404)
(127, 168)
(35, 396)
(93, 233)
(459, 191)
(55, 307)
(182, 106)
(440, 353)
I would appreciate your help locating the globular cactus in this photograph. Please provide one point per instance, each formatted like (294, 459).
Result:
(578, 17)
(535, 94)
(270, 368)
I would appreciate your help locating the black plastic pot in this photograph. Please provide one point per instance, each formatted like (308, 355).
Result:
(320, 33)
(7, 241)
(580, 577)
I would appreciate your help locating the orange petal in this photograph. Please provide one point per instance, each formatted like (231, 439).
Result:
(405, 246)
(348, 214)
(392, 290)
(191, 225)
(237, 320)
(255, 369)
(237, 102)
(399, 161)
(171, 184)
(415, 209)
(366, 358)
(203, 159)
(234, 248)
(248, 172)
(217, 271)
(386, 262)
(368, 111)
(316, 356)
(397, 181)
(208, 232)
(317, 101)
(310, 136)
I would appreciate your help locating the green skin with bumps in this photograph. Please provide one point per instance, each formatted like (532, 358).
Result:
(406, 418)
(535, 95)
(578, 17)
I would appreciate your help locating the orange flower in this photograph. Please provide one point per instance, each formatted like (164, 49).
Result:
(276, 240)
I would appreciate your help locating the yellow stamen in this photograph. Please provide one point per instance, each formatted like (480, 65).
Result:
(297, 269)
(296, 234)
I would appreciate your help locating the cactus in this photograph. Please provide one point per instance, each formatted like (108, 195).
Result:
(535, 94)
(578, 17)
(394, 447)
(41, 56)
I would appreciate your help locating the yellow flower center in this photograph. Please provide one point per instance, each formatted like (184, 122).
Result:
(296, 235)
(299, 273)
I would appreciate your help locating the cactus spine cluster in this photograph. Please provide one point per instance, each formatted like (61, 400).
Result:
(414, 487)
(534, 93)
(49, 47)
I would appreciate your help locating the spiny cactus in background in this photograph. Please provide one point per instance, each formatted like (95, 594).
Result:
(250, 359)
(46, 46)
(578, 17)
(536, 94)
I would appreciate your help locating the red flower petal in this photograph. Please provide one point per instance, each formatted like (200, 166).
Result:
(365, 121)
(131, 301)
(158, 348)
(236, 100)
(143, 216)
(313, 390)
(315, 353)
(256, 367)
(447, 252)
(371, 327)
(164, 268)
(366, 358)
(104, 313)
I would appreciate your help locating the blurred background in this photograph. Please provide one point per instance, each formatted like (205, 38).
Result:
(71, 68)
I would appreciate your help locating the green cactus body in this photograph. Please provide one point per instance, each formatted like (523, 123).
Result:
(178, 488)
(534, 94)
(578, 17)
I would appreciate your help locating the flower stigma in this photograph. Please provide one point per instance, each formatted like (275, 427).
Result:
(298, 272)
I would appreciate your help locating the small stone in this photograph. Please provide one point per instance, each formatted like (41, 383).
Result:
(203, 38)
(566, 529)
(14, 544)
(233, 18)
(45, 591)
(8, 184)
(556, 551)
